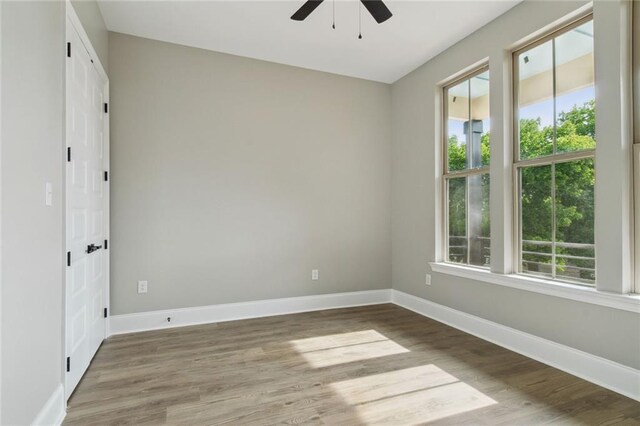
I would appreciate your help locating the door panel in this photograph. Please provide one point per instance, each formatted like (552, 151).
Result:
(85, 211)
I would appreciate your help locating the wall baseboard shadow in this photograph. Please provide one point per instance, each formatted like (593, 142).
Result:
(603, 372)
(54, 410)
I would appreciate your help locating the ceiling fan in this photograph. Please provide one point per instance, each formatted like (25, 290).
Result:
(376, 8)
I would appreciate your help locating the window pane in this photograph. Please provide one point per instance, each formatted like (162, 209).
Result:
(458, 111)
(536, 210)
(457, 216)
(575, 252)
(479, 135)
(535, 101)
(467, 144)
(479, 232)
(569, 253)
(575, 90)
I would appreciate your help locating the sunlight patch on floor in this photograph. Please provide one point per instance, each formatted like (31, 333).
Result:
(337, 340)
(379, 386)
(409, 396)
(342, 348)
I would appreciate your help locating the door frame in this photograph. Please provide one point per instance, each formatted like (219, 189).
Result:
(72, 19)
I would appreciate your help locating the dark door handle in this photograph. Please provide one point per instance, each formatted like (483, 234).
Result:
(92, 247)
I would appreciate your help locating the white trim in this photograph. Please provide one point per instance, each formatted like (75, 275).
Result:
(603, 372)
(155, 320)
(636, 186)
(107, 206)
(625, 302)
(54, 410)
(75, 21)
(613, 133)
(0, 208)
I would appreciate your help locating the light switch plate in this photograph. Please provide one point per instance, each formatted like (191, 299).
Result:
(48, 194)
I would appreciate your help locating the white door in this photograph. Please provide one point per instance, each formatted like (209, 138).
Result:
(85, 211)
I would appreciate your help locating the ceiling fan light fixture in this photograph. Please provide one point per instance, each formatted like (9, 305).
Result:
(376, 8)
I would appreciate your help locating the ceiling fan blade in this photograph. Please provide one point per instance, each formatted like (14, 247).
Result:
(306, 9)
(378, 10)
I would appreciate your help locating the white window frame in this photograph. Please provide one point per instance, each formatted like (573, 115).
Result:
(552, 159)
(614, 217)
(636, 177)
(635, 27)
(446, 174)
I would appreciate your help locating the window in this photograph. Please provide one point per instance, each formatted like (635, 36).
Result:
(466, 170)
(555, 155)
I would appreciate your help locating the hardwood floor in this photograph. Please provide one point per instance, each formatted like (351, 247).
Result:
(368, 365)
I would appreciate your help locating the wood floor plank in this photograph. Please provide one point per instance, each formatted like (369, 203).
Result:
(366, 365)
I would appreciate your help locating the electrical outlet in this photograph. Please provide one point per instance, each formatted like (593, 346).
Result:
(427, 279)
(315, 274)
(142, 286)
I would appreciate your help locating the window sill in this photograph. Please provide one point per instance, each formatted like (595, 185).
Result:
(626, 302)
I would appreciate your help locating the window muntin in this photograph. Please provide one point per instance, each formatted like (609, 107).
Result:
(555, 155)
(466, 165)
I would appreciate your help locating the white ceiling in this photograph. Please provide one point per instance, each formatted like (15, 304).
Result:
(418, 31)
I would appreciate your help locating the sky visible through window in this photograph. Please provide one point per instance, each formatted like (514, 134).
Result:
(542, 110)
(564, 102)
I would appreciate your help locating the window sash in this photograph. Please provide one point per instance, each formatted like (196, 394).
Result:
(445, 118)
(537, 162)
(552, 159)
(515, 79)
(466, 173)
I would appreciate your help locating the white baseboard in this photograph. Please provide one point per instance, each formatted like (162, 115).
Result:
(155, 320)
(54, 410)
(608, 374)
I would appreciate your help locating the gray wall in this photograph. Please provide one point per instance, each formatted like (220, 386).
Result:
(232, 178)
(32, 234)
(93, 23)
(610, 333)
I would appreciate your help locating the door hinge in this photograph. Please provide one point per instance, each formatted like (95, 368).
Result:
(106, 176)
(68, 154)
(106, 242)
(106, 108)
(68, 49)
(105, 312)
(68, 258)
(68, 364)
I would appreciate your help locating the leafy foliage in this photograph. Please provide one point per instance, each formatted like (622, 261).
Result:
(574, 196)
